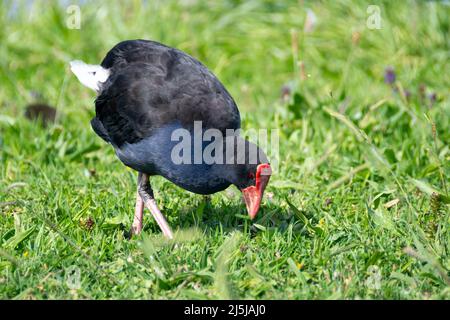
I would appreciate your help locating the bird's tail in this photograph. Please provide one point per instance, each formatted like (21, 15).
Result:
(89, 75)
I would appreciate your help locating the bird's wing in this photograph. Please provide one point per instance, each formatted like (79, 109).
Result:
(97, 126)
(151, 85)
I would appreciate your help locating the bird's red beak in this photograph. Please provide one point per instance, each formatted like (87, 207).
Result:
(253, 195)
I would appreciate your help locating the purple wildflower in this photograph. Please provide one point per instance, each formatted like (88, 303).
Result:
(389, 75)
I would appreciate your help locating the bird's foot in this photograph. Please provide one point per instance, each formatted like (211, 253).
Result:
(136, 229)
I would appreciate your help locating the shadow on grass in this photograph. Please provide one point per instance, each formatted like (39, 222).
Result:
(214, 219)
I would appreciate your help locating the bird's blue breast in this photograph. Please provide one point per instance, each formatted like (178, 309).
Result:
(154, 155)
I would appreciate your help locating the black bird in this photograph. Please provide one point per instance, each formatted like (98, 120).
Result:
(153, 103)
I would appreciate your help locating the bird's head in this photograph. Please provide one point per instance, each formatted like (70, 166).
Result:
(250, 174)
(257, 179)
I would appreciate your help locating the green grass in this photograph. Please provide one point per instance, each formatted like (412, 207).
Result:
(359, 207)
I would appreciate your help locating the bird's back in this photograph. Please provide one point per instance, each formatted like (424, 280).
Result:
(151, 86)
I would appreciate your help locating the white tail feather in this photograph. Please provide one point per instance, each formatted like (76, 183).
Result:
(89, 75)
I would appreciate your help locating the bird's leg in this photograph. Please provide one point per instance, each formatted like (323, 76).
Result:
(146, 193)
(136, 227)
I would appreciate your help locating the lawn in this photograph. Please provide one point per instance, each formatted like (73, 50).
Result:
(359, 205)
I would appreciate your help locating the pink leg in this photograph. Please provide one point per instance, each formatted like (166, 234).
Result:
(146, 194)
(136, 228)
(159, 217)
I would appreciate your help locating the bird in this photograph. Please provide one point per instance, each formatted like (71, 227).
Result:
(154, 100)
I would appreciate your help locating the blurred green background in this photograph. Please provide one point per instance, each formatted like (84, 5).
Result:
(359, 207)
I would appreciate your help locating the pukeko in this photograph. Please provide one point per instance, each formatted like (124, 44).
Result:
(146, 91)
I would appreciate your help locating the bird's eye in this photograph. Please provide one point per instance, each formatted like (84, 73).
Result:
(250, 175)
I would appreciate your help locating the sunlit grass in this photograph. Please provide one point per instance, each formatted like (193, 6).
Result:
(359, 207)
